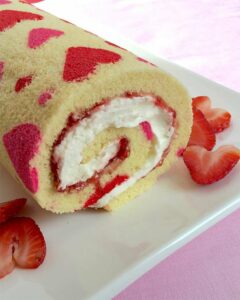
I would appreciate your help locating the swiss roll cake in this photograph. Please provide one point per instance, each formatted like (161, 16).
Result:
(84, 123)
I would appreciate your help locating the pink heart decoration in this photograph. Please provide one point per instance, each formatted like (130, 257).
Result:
(5, 2)
(9, 18)
(82, 61)
(39, 36)
(45, 97)
(22, 143)
(22, 83)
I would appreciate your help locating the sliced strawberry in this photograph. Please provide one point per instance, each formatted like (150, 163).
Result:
(7, 263)
(219, 119)
(202, 133)
(206, 167)
(11, 208)
(202, 103)
(21, 244)
(31, 249)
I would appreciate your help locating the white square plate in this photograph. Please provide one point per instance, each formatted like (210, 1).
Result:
(94, 255)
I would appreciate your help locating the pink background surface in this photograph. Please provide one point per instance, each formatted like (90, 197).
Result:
(203, 36)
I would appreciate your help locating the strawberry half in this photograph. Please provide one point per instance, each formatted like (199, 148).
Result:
(219, 119)
(202, 133)
(11, 208)
(21, 244)
(206, 167)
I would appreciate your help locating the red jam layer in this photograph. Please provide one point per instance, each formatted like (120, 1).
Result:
(101, 191)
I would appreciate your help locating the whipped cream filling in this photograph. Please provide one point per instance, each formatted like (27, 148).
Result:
(120, 112)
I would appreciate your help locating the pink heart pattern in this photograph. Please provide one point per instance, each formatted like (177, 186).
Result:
(23, 141)
(39, 36)
(9, 18)
(22, 83)
(83, 61)
(22, 144)
(2, 2)
(45, 97)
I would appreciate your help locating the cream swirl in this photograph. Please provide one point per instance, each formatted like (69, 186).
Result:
(120, 112)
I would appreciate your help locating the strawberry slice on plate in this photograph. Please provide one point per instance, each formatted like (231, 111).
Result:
(207, 167)
(11, 208)
(202, 133)
(202, 103)
(21, 244)
(219, 119)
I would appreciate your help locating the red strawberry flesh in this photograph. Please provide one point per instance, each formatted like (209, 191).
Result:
(11, 208)
(207, 167)
(219, 119)
(202, 103)
(21, 244)
(202, 133)
(7, 263)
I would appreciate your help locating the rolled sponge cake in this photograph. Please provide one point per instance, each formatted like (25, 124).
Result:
(84, 123)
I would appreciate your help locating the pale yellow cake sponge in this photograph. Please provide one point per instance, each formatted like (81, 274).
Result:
(45, 64)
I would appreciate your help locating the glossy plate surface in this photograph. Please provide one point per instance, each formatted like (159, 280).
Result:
(94, 255)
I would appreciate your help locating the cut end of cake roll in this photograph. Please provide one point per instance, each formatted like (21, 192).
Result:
(93, 125)
(114, 149)
(112, 145)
